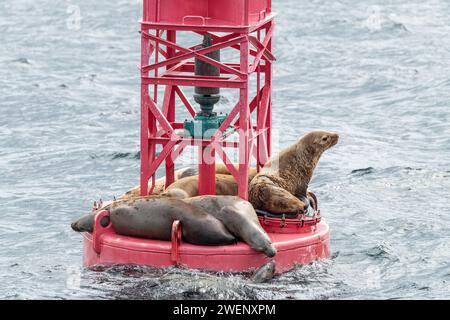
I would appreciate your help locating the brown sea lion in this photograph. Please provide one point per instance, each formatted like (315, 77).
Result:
(225, 185)
(221, 168)
(239, 217)
(160, 183)
(284, 179)
(153, 218)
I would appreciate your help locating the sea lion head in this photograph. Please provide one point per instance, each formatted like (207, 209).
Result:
(319, 141)
(86, 222)
(264, 273)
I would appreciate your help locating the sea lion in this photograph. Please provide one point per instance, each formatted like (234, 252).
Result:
(187, 180)
(160, 183)
(284, 179)
(153, 218)
(264, 273)
(226, 185)
(221, 168)
(239, 217)
(236, 215)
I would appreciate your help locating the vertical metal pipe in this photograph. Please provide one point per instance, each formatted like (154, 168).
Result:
(207, 171)
(243, 125)
(170, 166)
(258, 88)
(268, 82)
(145, 56)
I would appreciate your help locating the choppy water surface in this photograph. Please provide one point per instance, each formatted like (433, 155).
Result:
(377, 72)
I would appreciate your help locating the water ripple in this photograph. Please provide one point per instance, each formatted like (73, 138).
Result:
(376, 72)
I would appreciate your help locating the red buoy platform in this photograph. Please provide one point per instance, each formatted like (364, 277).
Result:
(168, 67)
(298, 241)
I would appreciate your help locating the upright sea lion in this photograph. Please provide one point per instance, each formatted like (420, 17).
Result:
(153, 218)
(239, 217)
(284, 179)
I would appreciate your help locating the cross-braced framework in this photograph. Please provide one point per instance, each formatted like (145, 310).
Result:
(171, 68)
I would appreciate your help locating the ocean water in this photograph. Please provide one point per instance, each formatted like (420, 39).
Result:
(377, 72)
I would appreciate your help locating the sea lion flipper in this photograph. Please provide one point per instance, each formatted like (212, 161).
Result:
(239, 223)
(279, 200)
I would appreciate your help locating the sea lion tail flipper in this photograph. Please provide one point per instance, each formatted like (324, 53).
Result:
(279, 200)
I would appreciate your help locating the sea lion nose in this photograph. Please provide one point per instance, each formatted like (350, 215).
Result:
(74, 226)
(334, 137)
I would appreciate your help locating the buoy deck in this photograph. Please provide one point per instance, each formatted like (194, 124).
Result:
(108, 248)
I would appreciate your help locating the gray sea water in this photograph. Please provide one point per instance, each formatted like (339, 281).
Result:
(377, 72)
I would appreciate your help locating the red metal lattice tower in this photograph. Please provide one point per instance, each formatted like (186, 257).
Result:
(244, 25)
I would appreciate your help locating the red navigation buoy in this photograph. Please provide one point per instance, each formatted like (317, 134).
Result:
(246, 27)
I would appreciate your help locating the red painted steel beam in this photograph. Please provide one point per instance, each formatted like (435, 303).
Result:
(185, 101)
(230, 166)
(263, 108)
(216, 38)
(227, 122)
(269, 21)
(258, 45)
(194, 53)
(162, 156)
(166, 101)
(168, 110)
(146, 25)
(190, 76)
(206, 171)
(268, 82)
(149, 25)
(195, 142)
(194, 82)
(244, 115)
(160, 117)
(188, 66)
(146, 51)
(253, 104)
(177, 152)
(267, 39)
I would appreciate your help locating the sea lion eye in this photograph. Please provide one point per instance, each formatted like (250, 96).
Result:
(324, 138)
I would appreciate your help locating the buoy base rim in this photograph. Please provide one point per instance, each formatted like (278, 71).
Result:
(109, 248)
